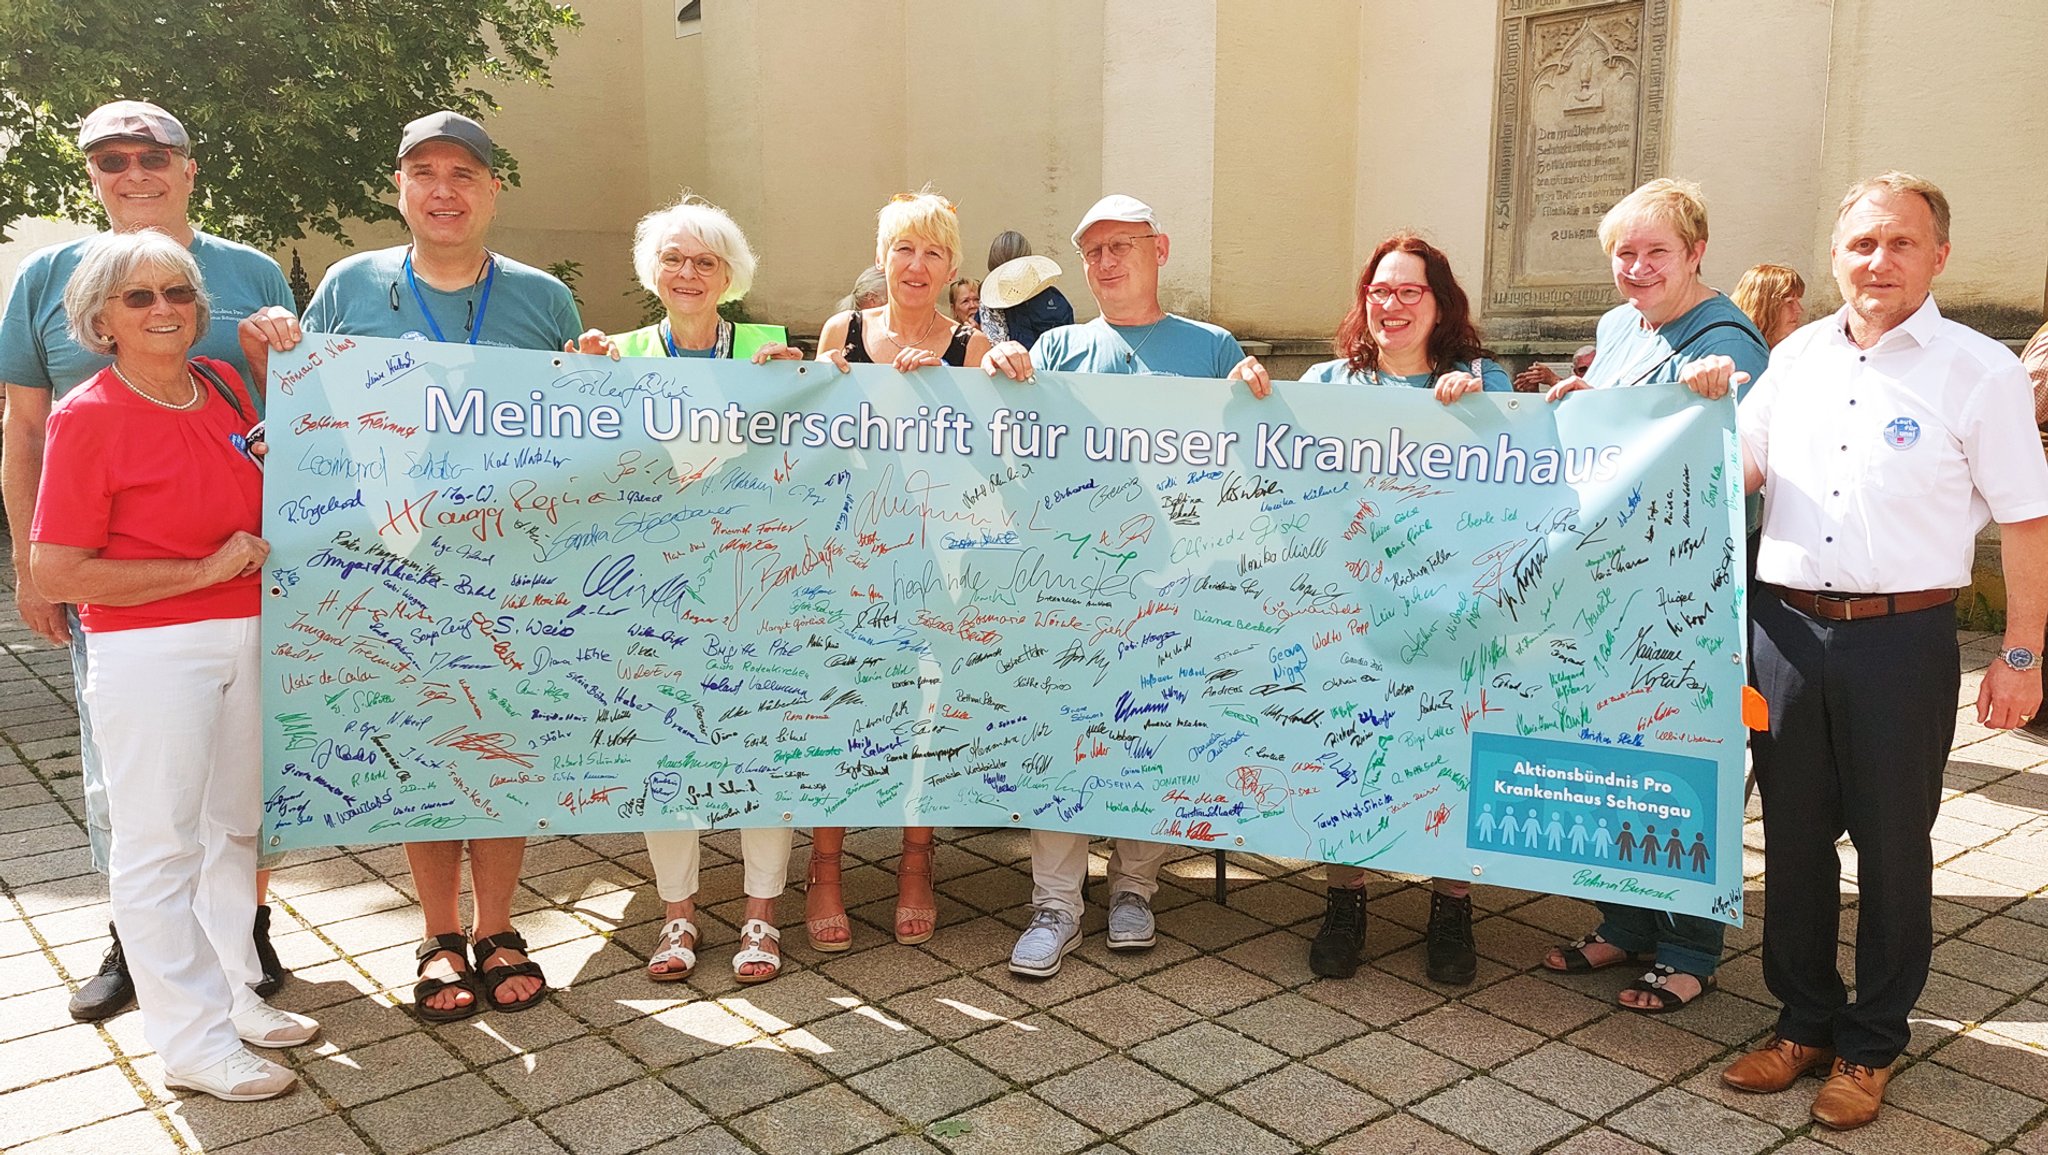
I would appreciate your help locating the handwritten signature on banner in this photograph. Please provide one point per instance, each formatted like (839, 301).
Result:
(526, 592)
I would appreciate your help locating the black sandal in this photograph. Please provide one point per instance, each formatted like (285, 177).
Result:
(494, 977)
(1654, 983)
(1576, 962)
(457, 944)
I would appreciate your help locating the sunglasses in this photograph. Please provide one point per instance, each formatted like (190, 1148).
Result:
(146, 298)
(153, 160)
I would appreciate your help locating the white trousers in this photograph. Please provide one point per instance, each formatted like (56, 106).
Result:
(764, 854)
(178, 723)
(1059, 868)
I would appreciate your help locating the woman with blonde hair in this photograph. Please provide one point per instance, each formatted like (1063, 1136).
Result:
(917, 246)
(1669, 317)
(1772, 296)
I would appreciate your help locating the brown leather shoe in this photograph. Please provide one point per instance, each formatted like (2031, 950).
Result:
(1853, 1095)
(1775, 1066)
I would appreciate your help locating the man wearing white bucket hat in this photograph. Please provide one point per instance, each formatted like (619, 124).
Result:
(1122, 248)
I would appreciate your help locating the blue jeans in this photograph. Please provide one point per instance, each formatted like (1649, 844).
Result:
(1683, 942)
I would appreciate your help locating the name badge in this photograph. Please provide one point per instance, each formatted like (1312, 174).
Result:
(1901, 432)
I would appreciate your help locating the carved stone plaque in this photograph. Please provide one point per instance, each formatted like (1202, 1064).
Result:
(1578, 123)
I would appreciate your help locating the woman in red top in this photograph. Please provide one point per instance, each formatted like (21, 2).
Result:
(148, 518)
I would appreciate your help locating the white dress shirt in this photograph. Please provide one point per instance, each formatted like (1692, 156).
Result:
(1880, 465)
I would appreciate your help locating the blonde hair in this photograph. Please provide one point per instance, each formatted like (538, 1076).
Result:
(923, 214)
(711, 226)
(1666, 200)
(1899, 184)
(1763, 291)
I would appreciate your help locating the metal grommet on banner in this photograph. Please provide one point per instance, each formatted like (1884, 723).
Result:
(275, 840)
(540, 824)
(277, 591)
(1514, 403)
(1016, 818)
(1477, 871)
(1737, 656)
(787, 816)
(1240, 840)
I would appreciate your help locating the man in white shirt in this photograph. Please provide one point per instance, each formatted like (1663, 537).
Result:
(1884, 436)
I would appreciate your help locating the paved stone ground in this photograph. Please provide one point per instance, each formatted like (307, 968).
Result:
(1218, 1040)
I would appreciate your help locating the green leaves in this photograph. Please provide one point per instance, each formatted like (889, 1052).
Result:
(294, 106)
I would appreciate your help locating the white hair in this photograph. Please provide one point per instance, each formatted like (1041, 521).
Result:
(695, 217)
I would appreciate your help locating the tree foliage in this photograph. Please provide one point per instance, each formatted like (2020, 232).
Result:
(294, 106)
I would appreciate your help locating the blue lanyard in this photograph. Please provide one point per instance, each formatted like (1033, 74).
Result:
(476, 327)
(720, 350)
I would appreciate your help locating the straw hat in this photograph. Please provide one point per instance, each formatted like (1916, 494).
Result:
(1014, 282)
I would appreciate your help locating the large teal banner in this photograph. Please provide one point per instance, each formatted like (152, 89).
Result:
(518, 592)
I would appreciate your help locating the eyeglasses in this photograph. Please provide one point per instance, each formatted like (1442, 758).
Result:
(1118, 248)
(902, 197)
(146, 298)
(152, 160)
(1410, 294)
(705, 263)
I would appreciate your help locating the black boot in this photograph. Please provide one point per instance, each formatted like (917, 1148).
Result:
(1334, 953)
(110, 991)
(266, 957)
(1449, 940)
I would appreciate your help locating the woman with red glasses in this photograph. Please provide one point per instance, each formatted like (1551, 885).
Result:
(1410, 326)
(148, 520)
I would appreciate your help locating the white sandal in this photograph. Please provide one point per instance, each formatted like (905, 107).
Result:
(752, 935)
(670, 948)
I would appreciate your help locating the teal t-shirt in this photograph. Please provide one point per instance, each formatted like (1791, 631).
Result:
(368, 295)
(1171, 347)
(746, 338)
(37, 351)
(1492, 377)
(1626, 349)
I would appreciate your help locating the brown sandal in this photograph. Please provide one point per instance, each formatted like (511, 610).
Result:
(825, 872)
(919, 853)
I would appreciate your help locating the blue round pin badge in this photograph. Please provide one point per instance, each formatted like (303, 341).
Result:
(1901, 432)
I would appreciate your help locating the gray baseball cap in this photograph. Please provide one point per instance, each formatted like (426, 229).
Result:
(449, 126)
(136, 120)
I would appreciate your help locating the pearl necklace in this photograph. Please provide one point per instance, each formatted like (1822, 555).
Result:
(194, 400)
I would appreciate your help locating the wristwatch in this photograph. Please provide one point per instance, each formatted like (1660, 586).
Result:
(2019, 658)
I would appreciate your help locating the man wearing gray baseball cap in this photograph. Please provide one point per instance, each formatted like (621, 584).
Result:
(139, 159)
(447, 286)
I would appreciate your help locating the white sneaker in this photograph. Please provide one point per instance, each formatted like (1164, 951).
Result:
(239, 1078)
(265, 1026)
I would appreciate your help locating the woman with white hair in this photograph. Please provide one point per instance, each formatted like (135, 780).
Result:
(148, 521)
(917, 246)
(694, 257)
